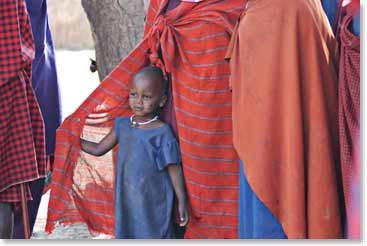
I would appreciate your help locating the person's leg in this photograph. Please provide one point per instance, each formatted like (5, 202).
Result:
(6, 220)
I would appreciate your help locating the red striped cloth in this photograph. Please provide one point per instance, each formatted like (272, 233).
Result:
(22, 147)
(349, 105)
(192, 40)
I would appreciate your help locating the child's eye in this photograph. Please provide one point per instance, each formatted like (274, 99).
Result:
(147, 97)
(132, 94)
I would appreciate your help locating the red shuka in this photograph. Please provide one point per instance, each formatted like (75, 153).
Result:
(349, 104)
(22, 144)
(284, 82)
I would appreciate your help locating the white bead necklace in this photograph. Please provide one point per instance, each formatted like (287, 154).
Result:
(134, 123)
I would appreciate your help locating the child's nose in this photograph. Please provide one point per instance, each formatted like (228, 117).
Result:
(139, 100)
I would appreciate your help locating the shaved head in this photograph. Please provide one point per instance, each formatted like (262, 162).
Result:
(155, 74)
(148, 91)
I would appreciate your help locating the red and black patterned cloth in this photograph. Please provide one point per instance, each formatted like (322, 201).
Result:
(22, 144)
(349, 115)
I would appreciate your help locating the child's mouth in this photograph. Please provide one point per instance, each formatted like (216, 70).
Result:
(138, 109)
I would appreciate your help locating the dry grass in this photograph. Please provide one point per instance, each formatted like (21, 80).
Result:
(69, 25)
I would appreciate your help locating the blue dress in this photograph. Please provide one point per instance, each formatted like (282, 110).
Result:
(144, 193)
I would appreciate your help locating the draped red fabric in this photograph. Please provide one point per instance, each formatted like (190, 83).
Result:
(22, 143)
(349, 104)
(189, 44)
(353, 7)
(284, 80)
(350, 8)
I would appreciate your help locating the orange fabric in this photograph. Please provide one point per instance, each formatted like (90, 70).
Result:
(284, 87)
(189, 43)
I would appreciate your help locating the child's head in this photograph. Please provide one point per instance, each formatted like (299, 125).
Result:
(148, 91)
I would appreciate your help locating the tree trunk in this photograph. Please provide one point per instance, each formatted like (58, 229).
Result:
(117, 27)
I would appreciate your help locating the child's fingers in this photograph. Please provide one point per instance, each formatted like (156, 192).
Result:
(183, 219)
(95, 121)
(183, 223)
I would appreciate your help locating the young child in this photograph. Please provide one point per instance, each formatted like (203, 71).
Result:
(148, 168)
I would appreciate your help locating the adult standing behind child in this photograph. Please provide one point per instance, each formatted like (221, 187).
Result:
(148, 163)
(45, 86)
(284, 84)
(22, 143)
(346, 28)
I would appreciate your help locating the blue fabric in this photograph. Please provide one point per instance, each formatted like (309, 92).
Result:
(144, 193)
(356, 24)
(330, 8)
(44, 77)
(255, 221)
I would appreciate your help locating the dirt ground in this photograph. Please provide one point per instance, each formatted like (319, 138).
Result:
(75, 231)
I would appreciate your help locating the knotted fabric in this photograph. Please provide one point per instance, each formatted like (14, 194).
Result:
(159, 29)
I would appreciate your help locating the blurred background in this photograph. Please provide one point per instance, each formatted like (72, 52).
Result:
(74, 46)
(104, 30)
(69, 25)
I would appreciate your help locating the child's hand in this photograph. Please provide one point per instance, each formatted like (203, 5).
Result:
(184, 214)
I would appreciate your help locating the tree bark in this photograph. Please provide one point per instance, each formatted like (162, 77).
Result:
(117, 27)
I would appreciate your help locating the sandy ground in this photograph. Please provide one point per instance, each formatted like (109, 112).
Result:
(76, 231)
(76, 83)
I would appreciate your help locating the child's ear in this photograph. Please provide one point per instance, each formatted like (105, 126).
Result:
(163, 101)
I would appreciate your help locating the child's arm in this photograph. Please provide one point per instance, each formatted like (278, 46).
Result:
(101, 148)
(175, 172)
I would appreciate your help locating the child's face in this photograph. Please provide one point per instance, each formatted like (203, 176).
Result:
(146, 95)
